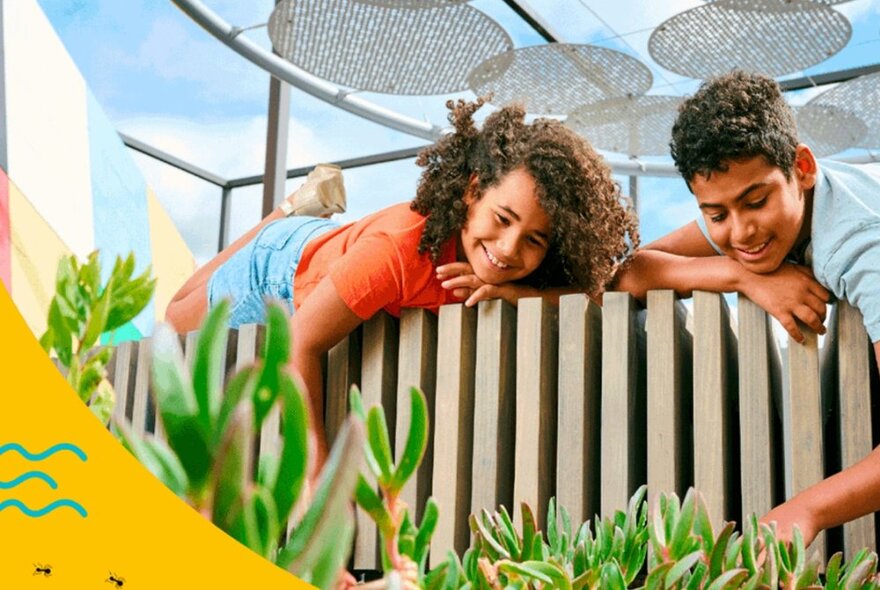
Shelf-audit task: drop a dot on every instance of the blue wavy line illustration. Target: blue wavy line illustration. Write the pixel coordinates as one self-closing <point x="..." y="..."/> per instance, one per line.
<point x="43" y="511"/>
<point x="45" y="454"/>
<point x="5" y="485"/>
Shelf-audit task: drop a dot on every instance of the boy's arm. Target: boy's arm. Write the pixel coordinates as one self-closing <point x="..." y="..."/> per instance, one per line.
<point x="845" y="496"/>
<point x="684" y="261"/>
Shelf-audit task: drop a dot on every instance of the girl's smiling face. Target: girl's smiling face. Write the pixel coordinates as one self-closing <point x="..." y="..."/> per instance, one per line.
<point x="753" y="212"/>
<point x="507" y="232"/>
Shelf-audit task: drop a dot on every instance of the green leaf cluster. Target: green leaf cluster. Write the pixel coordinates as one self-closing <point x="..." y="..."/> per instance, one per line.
<point x="685" y="553"/>
<point x="207" y="457"/>
<point x="81" y="310"/>
<point x="405" y="544"/>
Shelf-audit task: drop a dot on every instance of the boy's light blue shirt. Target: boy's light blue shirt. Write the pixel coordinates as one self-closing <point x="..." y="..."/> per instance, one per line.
<point x="845" y="236"/>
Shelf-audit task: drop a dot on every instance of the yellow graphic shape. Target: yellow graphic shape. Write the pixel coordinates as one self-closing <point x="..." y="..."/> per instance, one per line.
<point x="135" y="527"/>
<point x="35" y="252"/>
<point x="172" y="261"/>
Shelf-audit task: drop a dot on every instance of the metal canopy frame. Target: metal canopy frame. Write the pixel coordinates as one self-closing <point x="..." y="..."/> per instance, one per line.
<point x="282" y="70"/>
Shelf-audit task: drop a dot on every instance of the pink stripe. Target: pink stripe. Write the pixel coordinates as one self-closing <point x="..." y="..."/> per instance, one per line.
<point x="5" y="234"/>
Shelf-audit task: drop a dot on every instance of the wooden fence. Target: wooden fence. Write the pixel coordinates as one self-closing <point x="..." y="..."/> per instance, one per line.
<point x="587" y="403"/>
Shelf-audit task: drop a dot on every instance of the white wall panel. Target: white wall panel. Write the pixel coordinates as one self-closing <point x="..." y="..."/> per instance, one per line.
<point x="47" y="126"/>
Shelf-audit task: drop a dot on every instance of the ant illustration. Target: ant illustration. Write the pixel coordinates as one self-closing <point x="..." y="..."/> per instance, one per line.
<point x="117" y="581"/>
<point x="45" y="570"/>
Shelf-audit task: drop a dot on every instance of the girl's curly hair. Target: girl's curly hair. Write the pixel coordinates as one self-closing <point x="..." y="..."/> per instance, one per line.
<point x="593" y="228"/>
<point x="734" y="116"/>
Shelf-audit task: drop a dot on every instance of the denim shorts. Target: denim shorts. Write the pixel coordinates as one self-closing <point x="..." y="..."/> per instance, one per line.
<point x="264" y="268"/>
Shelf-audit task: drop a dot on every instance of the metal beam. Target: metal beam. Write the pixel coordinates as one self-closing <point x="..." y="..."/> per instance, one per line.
<point x="284" y="70"/>
<point x="534" y="20"/>
<point x="167" y="158"/>
<point x="382" y="158"/>
<point x="829" y="78"/>
<point x="276" y="142"/>
<point x="223" y="236"/>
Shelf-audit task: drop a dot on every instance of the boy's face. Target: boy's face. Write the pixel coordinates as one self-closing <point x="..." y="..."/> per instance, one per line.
<point x="507" y="232"/>
<point x="753" y="212"/>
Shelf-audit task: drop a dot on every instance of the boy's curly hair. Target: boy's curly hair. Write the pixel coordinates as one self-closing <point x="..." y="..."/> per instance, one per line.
<point x="731" y="117"/>
<point x="593" y="228"/>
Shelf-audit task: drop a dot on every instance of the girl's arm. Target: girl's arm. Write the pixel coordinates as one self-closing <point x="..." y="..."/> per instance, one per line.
<point x="321" y="321"/>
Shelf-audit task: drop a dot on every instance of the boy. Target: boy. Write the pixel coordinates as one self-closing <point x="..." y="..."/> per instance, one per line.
<point x="791" y="230"/>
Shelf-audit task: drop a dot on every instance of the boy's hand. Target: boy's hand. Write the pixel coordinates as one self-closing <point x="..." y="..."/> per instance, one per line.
<point x="787" y="516"/>
<point x="790" y="294"/>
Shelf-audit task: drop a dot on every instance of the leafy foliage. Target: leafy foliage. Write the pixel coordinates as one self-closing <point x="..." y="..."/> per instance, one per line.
<point x="207" y="455"/>
<point x="81" y="311"/>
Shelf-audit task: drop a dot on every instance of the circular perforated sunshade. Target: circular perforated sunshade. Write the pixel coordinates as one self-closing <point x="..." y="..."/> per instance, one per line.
<point x="413" y="51"/>
<point x="767" y="36"/>
<point x="635" y="126"/>
<point x="859" y="97"/>
<point x="557" y="78"/>
<point x="418" y="3"/>
<point x="747" y="2"/>
<point x="828" y="129"/>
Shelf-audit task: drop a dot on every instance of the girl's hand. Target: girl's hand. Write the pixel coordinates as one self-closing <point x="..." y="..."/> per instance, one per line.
<point x="459" y="278"/>
<point x="790" y="294"/>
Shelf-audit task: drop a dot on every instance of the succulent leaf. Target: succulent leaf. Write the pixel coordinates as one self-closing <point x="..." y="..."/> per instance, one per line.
<point x="416" y="440"/>
<point x="175" y="400"/>
<point x="380" y="444"/>
<point x="233" y="468"/>
<point x="208" y="366"/>
<point x="293" y="460"/>
<point x="275" y="357"/>
<point x="327" y="511"/>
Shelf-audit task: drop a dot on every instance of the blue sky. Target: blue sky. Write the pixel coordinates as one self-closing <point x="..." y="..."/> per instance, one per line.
<point x="165" y="81"/>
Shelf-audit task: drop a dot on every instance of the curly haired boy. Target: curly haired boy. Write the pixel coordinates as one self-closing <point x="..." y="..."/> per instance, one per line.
<point x="791" y="231"/>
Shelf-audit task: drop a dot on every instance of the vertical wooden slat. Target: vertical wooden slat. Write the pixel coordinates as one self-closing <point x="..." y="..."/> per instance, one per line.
<point x="668" y="383"/>
<point x="712" y="435"/>
<point x="453" y="428"/>
<point x="417" y="367"/>
<point x="494" y="407"/>
<point x="122" y="370"/>
<point x="854" y="398"/>
<point x="141" y="393"/>
<point x="756" y="412"/>
<point x="802" y="422"/>
<point x="343" y="371"/>
<point x="623" y="426"/>
<point x="537" y="364"/>
<point x="578" y="403"/>
<point x="248" y="342"/>
<point x="378" y="386"/>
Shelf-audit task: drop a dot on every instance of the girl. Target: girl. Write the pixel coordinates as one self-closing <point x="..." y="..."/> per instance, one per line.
<point x="505" y="212"/>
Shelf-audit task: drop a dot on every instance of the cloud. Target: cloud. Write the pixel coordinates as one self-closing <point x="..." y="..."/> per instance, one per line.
<point x="171" y="51"/>
<point x="218" y="148"/>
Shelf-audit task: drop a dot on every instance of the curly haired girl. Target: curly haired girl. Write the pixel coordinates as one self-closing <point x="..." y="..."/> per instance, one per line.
<point x="510" y="210"/>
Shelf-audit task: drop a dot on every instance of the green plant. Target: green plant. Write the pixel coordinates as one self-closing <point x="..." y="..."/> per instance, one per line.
<point x="686" y="554"/>
<point x="81" y="311"/>
<point x="404" y="546"/>
<point x="208" y="457"/>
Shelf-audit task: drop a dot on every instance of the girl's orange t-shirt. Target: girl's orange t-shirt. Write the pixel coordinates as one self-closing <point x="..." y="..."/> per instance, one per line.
<point x="375" y="264"/>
